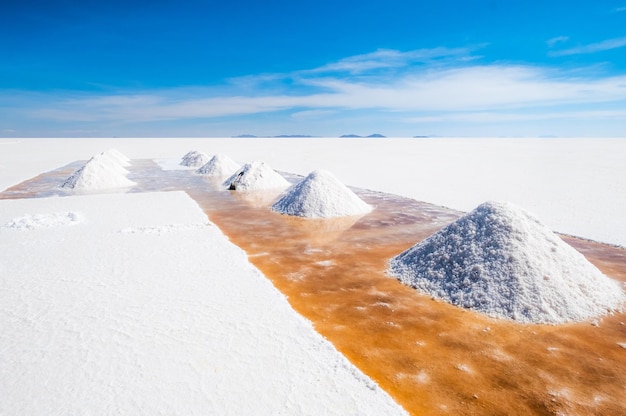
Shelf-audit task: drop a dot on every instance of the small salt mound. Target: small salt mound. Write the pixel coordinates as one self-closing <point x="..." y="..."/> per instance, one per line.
<point x="97" y="174"/>
<point x="219" y="166"/>
<point x="255" y="176"/>
<point x="110" y="162"/>
<point x="190" y="153"/>
<point x="320" y="195"/>
<point x="501" y="261"/>
<point x="194" y="159"/>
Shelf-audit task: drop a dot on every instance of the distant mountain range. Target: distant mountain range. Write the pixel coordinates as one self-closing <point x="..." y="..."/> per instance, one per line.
<point x="291" y="136"/>
<point x="375" y="135"/>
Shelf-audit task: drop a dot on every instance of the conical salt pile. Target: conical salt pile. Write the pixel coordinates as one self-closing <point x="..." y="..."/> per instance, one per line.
<point x="194" y="159"/>
<point x="320" y="195"/>
<point x="501" y="261"/>
<point x="219" y="166"/>
<point x="255" y="176"/>
<point x="118" y="156"/>
<point x="99" y="173"/>
<point x="190" y="153"/>
<point x="109" y="162"/>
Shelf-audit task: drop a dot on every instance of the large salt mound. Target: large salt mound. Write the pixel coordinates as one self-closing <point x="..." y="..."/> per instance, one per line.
<point x="501" y="261"/>
<point x="320" y="195"/>
<point x="98" y="173"/>
<point x="219" y="166"/>
<point x="194" y="159"/>
<point x="255" y="176"/>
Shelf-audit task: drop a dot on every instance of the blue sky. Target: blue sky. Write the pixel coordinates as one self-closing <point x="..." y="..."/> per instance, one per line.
<point x="324" y="68"/>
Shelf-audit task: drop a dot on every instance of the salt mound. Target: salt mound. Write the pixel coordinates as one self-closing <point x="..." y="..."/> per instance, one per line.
<point x="190" y="153"/>
<point x="194" y="159"/>
<point x="117" y="156"/>
<point x="110" y="162"/>
<point x="501" y="261"/>
<point x="219" y="165"/>
<point x="97" y="174"/>
<point x="255" y="176"/>
<point x="320" y="195"/>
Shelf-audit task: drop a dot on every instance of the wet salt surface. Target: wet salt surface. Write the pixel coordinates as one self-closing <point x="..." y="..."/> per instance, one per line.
<point x="433" y="358"/>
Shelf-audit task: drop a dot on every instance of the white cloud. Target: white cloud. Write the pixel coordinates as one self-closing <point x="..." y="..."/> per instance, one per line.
<point x="621" y="9"/>
<point x="496" y="117"/>
<point x="458" y="91"/>
<point x="605" y="45"/>
<point x="312" y="114"/>
<point x="558" y="39"/>
<point x="472" y="88"/>
<point x="388" y="58"/>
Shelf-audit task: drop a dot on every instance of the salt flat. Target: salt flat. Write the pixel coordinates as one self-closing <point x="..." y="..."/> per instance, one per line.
<point x="136" y="304"/>
<point x="575" y="186"/>
<point x="138" y="297"/>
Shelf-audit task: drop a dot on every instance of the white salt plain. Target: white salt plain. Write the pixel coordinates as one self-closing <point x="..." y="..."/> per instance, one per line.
<point x="576" y="186"/>
<point x="134" y="304"/>
<point x="83" y="319"/>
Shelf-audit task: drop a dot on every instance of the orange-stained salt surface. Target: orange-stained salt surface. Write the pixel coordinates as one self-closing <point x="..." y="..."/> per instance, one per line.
<point x="431" y="357"/>
<point x="46" y="184"/>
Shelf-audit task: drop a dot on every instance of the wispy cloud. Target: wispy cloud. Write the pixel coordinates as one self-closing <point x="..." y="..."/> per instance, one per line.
<point x="416" y="91"/>
<point x="468" y="88"/>
<point x="312" y="114"/>
<point x="389" y="58"/>
<point x="605" y="45"/>
<point x="621" y="9"/>
<point x="558" y="39"/>
<point x="505" y="117"/>
<point x="380" y="63"/>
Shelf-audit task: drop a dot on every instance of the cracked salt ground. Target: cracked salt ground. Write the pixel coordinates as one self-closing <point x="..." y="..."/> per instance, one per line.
<point x="413" y="346"/>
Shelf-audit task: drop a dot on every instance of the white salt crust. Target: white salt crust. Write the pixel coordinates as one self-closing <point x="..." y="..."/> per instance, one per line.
<point x="48" y="220"/>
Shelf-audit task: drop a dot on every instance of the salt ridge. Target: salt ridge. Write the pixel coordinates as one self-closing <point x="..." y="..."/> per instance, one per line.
<point x="255" y="175"/>
<point x="501" y="261"/>
<point x="220" y="165"/>
<point x="320" y="195"/>
<point x="38" y="221"/>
